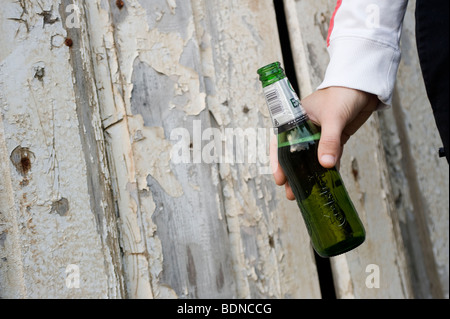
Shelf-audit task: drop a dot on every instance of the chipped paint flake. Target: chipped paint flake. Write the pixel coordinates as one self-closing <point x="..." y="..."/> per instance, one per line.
<point x="152" y="157"/>
<point x="164" y="52"/>
<point x="172" y="5"/>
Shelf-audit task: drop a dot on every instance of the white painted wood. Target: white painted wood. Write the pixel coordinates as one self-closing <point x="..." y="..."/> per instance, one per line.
<point x="90" y="185"/>
<point x="55" y="195"/>
<point x="80" y="145"/>
<point x="211" y="230"/>
<point x="118" y="142"/>
<point x="271" y="252"/>
<point x="183" y="239"/>
<point x="419" y="177"/>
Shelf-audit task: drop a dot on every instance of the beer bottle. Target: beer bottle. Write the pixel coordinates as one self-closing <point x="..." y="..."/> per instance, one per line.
<point x="330" y="217"/>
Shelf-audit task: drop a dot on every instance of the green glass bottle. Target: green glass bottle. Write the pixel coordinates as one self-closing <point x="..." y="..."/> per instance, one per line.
<point x="330" y="217"/>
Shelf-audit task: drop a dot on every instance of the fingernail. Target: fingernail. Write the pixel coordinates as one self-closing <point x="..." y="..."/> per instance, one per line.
<point x="328" y="160"/>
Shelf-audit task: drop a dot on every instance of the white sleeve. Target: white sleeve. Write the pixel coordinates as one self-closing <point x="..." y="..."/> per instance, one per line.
<point x="363" y="44"/>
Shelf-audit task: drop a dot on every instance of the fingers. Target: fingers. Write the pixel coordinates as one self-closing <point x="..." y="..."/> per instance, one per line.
<point x="322" y="110"/>
<point x="340" y="112"/>
<point x="289" y="193"/>
<point x="277" y="171"/>
<point x="330" y="144"/>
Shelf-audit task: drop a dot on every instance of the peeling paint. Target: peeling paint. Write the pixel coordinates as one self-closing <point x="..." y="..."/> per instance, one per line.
<point x="153" y="158"/>
<point x="42" y="119"/>
<point x="228" y="39"/>
<point x="172" y="5"/>
<point x="61" y="207"/>
<point x="164" y="52"/>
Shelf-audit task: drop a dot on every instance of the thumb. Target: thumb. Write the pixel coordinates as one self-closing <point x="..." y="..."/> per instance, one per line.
<point x="330" y="147"/>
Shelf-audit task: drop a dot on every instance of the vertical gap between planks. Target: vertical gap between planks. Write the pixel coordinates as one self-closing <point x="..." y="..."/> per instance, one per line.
<point x="323" y="265"/>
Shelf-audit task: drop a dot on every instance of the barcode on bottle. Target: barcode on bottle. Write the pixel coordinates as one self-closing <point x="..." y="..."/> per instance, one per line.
<point x="274" y="102"/>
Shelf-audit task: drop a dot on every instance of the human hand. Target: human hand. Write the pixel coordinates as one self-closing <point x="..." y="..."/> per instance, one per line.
<point x="340" y="112"/>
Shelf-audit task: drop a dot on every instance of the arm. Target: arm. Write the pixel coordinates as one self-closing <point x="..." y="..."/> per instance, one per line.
<point x="363" y="44"/>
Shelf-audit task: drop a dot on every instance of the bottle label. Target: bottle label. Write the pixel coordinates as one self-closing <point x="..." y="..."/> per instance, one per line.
<point x="284" y="104"/>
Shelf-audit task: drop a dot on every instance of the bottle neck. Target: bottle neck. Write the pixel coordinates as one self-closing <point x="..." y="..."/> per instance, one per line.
<point x="271" y="73"/>
<point x="284" y="105"/>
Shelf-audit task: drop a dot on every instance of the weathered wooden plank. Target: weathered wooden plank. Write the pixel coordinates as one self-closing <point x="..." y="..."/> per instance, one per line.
<point x="92" y="139"/>
<point x="57" y="208"/>
<point x="381" y="259"/>
<point x="109" y="82"/>
<point x="12" y="283"/>
<point x="269" y="241"/>
<point x="420" y="179"/>
<point x="179" y="206"/>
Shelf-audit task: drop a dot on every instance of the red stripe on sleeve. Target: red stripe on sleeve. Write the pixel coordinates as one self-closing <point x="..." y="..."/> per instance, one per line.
<point x="330" y="29"/>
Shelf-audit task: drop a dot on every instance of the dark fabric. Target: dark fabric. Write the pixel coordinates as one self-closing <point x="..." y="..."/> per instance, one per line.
<point x="432" y="36"/>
